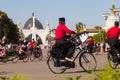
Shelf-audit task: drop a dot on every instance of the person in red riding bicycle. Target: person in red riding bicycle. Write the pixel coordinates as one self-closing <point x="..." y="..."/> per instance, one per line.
<point x="61" y="38"/>
<point x="31" y="44"/>
<point x="112" y="36"/>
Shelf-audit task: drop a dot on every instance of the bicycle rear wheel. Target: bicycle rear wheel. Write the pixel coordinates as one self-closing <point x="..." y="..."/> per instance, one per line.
<point x="111" y="62"/>
<point x="88" y="62"/>
<point x="55" y="69"/>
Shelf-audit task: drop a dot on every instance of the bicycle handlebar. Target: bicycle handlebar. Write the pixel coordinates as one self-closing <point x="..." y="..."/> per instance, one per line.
<point x="81" y="34"/>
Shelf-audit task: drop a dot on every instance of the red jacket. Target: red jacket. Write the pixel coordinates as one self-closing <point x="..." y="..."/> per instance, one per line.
<point x="90" y="42"/>
<point x="61" y="31"/>
<point x="31" y="44"/>
<point x="113" y="32"/>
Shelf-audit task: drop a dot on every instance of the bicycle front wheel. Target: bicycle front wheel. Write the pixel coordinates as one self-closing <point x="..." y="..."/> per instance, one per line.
<point x="55" y="69"/>
<point x="88" y="62"/>
<point x="15" y="59"/>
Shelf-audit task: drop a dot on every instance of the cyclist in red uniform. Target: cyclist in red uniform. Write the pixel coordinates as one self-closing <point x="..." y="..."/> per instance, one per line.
<point x="31" y="45"/>
<point x="113" y="39"/>
<point x="113" y="34"/>
<point x="61" y="38"/>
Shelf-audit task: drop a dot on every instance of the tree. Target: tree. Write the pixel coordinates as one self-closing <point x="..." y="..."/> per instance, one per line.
<point x="99" y="37"/>
<point x="79" y="27"/>
<point x="49" y="37"/>
<point x="98" y="27"/>
<point x="9" y="29"/>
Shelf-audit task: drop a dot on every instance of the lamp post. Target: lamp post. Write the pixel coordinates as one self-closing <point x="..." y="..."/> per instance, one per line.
<point x="0" y="27"/>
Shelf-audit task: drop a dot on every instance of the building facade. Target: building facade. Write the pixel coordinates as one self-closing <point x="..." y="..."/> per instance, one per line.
<point x="111" y="17"/>
<point x="34" y="29"/>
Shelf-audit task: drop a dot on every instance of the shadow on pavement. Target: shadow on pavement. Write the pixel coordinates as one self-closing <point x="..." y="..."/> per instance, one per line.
<point x="4" y="73"/>
<point x="83" y="71"/>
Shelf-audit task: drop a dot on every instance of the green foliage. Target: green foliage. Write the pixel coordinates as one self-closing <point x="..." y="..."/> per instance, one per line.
<point x="98" y="27"/>
<point x="108" y="74"/>
<point x="3" y="78"/>
<point x="113" y="6"/>
<point x="79" y="27"/>
<point x="48" y="37"/>
<point x="70" y="78"/>
<point x="16" y="77"/>
<point x="9" y="29"/>
<point x="99" y="37"/>
<point x="10" y="54"/>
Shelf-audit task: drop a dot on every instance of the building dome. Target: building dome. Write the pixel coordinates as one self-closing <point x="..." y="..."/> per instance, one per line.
<point x="29" y="24"/>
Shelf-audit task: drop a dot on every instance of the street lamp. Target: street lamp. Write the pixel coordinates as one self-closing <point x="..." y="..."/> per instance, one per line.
<point x="0" y="27"/>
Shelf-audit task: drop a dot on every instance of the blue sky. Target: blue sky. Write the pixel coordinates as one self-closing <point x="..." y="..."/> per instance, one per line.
<point x="86" y="11"/>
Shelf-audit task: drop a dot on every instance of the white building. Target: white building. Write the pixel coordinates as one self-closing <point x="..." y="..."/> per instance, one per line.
<point x="111" y="17"/>
<point x="33" y="29"/>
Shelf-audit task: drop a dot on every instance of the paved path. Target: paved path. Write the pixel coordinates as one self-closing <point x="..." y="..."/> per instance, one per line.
<point x="38" y="70"/>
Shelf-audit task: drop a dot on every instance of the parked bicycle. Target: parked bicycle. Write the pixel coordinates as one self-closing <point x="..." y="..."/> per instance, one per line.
<point x="6" y="55"/>
<point x="86" y="60"/>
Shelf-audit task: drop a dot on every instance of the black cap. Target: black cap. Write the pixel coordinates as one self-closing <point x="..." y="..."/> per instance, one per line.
<point x="62" y="19"/>
<point x="116" y="23"/>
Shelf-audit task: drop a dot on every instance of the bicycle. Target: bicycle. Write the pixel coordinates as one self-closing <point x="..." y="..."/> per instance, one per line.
<point x="36" y="52"/>
<point x="6" y="56"/>
<point x="86" y="60"/>
<point x="113" y="56"/>
<point x="23" y="53"/>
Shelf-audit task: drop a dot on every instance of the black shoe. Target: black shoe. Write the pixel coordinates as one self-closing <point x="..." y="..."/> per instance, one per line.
<point x="57" y="63"/>
<point x="118" y="60"/>
<point x="70" y="64"/>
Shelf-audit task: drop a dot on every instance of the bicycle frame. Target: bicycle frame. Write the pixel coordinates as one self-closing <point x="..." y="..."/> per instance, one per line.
<point x="81" y="51"/>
